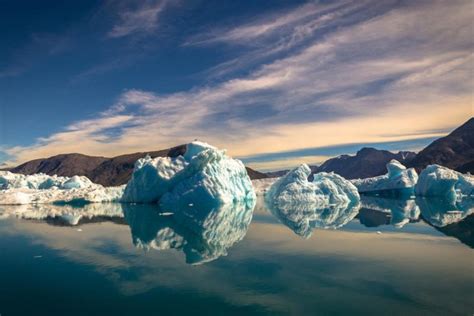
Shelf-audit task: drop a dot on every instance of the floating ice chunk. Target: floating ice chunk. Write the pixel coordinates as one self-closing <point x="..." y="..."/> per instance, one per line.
<point x="202" y="234"/>
<point x="204" y="174"/>
<point x="326" y="189"/>
<point x="438" y="181"/>
<point x="41" y="181"/>
<point x="440" y="212"/>
<point x="92" y="194"/>
<point x="398" y="180"/>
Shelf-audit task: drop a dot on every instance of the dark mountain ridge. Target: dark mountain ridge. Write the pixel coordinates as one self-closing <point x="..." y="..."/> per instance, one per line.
<point x="455" y="151"/>
<point x="106" y="171"/>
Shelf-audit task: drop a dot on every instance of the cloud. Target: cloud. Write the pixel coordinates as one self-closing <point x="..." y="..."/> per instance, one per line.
<point x="389" y="77"/>
<point x="140" y="19"/>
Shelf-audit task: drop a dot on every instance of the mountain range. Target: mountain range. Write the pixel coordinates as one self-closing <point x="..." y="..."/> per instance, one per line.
<point x="455" y="151"/>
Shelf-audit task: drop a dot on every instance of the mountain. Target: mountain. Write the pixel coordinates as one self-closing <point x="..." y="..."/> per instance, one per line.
<point x="367" y="162"/>
<point x="106" y="171"/>
<point x="455" y="151"/>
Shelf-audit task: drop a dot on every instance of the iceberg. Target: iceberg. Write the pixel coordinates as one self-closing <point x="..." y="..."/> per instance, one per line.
<point x="204" y="173"/>
<point x="398" y="181"/>
<point x="325" y="189"/>
<point x="438" y="181"/>
<point x="74" y="196"/>
<point x="41" y="181"/>
<point x="202" y="234"/>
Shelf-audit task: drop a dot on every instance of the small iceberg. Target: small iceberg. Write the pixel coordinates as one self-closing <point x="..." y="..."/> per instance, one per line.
<point x="442" y="182"/>
<point x="325" y="189"/>
<point x="329" y="201"/>
<point x="204" y="175"/>
<point x="398" y="181"/>
<point x="203" y="235"/>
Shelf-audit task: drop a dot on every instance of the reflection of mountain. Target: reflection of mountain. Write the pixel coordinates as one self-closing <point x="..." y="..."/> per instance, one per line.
<point x="203" y="235"/>
<point x="396" y="212"/>
<point x="302" y="218"/>
<point x="65" y="215"/>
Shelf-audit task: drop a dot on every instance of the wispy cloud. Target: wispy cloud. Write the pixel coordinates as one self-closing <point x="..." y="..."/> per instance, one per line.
<point x="142" y="18"/>
<point x="400" y="72"/>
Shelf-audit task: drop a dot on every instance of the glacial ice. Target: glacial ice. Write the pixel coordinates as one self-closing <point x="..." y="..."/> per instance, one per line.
<point x="41" y="181"/>
<point x="329" y="201"/>
<point x="79" y="196"/>
<point x="397" y="181"/>
<point x="438" y="181"/>
<point x="202" y="234"/>
<point x="205" y="174"/>
<point x="326" y="189"/>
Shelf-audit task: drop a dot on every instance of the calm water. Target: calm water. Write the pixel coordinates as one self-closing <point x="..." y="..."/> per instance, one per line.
<point x="390" y="257"/>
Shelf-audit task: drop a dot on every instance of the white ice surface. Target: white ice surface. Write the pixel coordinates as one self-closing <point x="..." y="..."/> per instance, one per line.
<point x="398" y="177"/>
<point x="326" y="189"/>
<point x="204" y="175"/>
<point x="438" y="181"/>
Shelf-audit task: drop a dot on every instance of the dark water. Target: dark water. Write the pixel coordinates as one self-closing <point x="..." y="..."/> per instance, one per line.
<point x="390" y="257"/>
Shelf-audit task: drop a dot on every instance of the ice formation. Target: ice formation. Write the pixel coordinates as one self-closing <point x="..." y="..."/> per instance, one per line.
<point x="402" y="211"/>
<point x="42" y="181"/>
<point x="202" y="234"/>
<point x="325" y="189"/>
<point x="79" y="196"/>
<point x="438" y="181"/>
<point x="204" y="173"/>
<point x="62" y="214"/>
<point x="261" y="186"/>
<point x="440" y="212"/>
<point x="398" y="180"/>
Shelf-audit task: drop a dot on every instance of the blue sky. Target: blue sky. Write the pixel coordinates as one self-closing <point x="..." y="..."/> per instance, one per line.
<point x="274" y="82"/>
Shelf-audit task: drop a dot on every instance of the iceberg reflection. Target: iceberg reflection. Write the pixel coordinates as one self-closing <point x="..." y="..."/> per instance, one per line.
<point x="443" y="212"/>
<point x="202" y="234"/>
<point x="65" y="215"/>
<point x="304" y="217"/>
<point x="396" y="212"/>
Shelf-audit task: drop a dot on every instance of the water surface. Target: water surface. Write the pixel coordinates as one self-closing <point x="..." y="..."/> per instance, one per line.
<point x="389" y="257"/>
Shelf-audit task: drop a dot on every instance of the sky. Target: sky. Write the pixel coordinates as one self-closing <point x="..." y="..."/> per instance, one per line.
<point x="275" y="82"/>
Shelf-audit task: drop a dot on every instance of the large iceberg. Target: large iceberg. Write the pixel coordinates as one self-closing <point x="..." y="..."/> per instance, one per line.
<point x="203" y="174"/>
<point x="398" y="181"/>
<point x="202" y="234"/>
<point x="438" y="181"/>
<point x="325" y="189"/>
